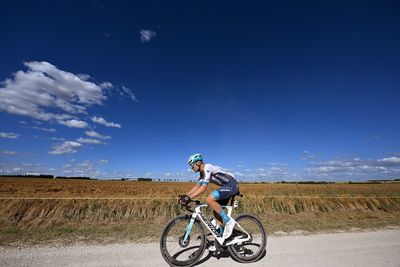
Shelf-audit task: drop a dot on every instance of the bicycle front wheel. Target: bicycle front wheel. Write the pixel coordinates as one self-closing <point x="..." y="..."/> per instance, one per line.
<point x="254" y="249"/>
<point x="174" y="249"/>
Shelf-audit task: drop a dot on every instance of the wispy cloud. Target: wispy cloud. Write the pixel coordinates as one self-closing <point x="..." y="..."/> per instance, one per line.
<point x="57" y="139"/>
<point x="87" y="168"/>
<point x="70" y="147"/>
<point x="67" y="147"/>
<point x="9" y="135"/>
<point x="337" y="169"/>
<point x="72" y="168"/>
<point x="74" y="123"/>
<point x="8" y="152"/>
<point x="97" y="135"/>
<point x="89" y="141"/>
<point x="102" y="121"/>
<point x="103" y="161"/>
<point x="50" y="130"/>
<point x="147" y="35"/>
<point x="357" y="168"/>
<point x="307" y="156"/>
<point x="128" y="92"/>
<point x="393" y="160"/>
<point x="23" y="168"/>
<point x="11" y="153"/>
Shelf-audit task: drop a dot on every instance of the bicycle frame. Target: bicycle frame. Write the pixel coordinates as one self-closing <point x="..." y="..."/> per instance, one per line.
<point x="197" y="213"/>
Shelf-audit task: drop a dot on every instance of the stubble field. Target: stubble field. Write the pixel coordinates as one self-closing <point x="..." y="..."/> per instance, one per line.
<point x="43" y="211"/>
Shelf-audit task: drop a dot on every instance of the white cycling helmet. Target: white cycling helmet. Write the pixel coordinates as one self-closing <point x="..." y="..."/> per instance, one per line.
<point x="194" y="158"/>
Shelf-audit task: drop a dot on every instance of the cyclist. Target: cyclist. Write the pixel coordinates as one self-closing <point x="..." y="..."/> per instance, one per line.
<point x="228" y="188"/>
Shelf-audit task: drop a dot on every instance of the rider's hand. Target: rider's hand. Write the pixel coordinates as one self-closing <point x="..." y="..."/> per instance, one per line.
<point x="184" y="199"/>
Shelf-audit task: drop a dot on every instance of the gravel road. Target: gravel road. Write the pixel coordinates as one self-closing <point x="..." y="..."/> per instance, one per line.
<point x="379" y="248"/>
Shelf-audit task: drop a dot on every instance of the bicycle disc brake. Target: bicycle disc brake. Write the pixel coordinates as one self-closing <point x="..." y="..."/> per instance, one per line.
<point x="182" y="243"/>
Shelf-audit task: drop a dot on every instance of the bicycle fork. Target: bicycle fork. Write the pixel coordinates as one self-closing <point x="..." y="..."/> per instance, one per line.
<point x="189" y="228"/>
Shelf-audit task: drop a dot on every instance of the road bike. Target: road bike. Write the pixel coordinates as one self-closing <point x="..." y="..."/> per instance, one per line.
<point x="183" y="240"/>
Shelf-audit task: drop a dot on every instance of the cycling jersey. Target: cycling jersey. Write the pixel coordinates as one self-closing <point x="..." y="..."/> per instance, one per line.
<point x="216" y="175"/>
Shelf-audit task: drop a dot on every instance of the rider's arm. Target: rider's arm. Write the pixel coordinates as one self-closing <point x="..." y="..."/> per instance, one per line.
<point x="198" y="191"/>
<point x="194" y="188"/>
<point x="203" y="181"/>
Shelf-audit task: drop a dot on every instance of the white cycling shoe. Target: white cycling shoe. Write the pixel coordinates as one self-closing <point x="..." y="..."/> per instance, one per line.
<point x="212" y="248"/>
<point x="229" y="228"/>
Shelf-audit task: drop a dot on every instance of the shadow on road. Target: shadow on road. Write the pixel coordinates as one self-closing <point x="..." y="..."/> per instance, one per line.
<point x="222" y="254"/>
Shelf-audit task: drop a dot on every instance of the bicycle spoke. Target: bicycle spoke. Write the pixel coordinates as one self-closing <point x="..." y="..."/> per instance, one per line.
<point x="251" y="228"/>
<point x="178" y="251"/>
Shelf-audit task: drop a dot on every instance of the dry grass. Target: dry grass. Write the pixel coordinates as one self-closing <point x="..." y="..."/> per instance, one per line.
<point x="94" y="211"/>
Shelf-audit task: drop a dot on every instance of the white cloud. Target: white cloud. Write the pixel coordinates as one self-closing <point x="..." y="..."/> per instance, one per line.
<point x="44" y="92"/>
<point x="57" y="139"/>
<point x="147" y="35"/>
<point x="43" y="86"/>
<point x="97" y="135"/>
<point x="8" y="153"/>
<point x="129" y="93"/>
<point x="359" y="168"/>
<point x="102" y="121"/>
<point x="67" y="147"/>
<point x="85" y="168"/>
<point x="50" y="130"/>
<point x="74" y="123"/>
<point x="89" y="141"/>
<point x="307" y="156"/>
<point x="70" y="147"/>
<point x="391" y="160"/>
<point x="9" y="135"/>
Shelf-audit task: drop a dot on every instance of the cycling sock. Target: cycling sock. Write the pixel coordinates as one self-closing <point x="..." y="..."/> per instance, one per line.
<point x="221" y="230"/>
<point x="223" y="215"/>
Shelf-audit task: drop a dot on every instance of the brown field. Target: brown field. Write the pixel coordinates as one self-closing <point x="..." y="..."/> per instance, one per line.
<point x="46" y="210"/>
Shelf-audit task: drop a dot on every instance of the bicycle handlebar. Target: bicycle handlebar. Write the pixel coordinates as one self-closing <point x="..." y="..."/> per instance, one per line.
<point x="187" y="207"/>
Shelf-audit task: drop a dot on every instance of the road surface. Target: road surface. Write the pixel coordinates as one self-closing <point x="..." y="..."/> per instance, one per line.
<point x="379" y="248"/>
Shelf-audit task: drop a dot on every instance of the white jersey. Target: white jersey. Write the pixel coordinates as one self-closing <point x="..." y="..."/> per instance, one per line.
<point x="215" y="175"/>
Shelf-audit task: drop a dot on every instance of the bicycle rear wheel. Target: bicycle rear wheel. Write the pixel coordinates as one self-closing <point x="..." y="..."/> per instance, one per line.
<point x="254" y="249"/>
<point x="174" y="250"/>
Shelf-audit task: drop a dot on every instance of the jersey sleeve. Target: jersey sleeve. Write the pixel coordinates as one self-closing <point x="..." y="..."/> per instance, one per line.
<point x="207" y="174"/>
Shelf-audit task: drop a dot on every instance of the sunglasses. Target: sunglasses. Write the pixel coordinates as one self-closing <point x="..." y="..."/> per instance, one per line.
<point x="192" y="164"/>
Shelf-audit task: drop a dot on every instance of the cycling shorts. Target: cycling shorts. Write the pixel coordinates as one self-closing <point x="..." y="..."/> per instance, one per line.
<point x="224" y="193"/>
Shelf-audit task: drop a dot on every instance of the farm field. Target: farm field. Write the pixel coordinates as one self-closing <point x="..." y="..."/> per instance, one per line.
<point x="42" y="211"/>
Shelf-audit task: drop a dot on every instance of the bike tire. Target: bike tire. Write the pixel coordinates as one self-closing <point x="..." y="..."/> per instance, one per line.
<point x="163" y="242"/>
<point x="233" y="249"/>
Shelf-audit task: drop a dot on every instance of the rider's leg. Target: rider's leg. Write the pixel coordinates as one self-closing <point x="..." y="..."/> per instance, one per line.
<point x="218" y="218"/>
<point x="212" y="202"/>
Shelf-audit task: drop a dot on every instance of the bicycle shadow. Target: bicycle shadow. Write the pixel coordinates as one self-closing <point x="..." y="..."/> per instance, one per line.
<point x="223" y="254"/>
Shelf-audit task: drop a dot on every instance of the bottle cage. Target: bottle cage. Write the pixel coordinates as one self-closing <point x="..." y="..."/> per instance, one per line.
<point x="233" y="197"/>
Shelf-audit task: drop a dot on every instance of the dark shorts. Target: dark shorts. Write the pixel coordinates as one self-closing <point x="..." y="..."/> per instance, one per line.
<point x="224" y="193"/>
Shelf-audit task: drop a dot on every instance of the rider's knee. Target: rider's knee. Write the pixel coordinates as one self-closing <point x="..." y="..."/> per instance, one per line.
<point x="210" y="199"/>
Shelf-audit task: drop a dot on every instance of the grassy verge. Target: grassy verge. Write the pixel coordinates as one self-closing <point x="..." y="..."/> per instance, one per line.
<point x="48" y="211"/>
<point x="147" y="231"/>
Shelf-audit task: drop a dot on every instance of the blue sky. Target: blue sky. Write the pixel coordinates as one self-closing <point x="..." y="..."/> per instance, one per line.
<point x="271" y="91"/>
